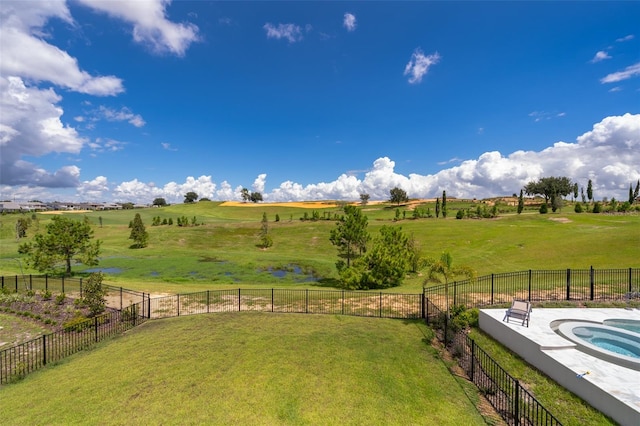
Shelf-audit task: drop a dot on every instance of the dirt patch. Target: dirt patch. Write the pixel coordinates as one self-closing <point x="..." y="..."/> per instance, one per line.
<point x="67" y="211"/>
<point x="303" y="205"/>
<point x="560" y="219"/>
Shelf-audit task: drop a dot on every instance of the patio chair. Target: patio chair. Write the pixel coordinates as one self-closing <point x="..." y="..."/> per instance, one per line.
<point x="520" y="309"/>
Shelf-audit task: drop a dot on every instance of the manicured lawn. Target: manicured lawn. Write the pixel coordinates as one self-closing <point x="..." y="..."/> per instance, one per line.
<point x="251" y="368"/>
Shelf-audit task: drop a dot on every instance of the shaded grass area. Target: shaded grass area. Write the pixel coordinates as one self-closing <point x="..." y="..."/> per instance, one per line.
<point x="250" y="368"/>
<point x="567" y="407"/>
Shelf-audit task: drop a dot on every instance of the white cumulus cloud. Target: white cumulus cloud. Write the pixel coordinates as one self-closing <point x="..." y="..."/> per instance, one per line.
<point x="600" y="56"/>
<point x="150" y="24"/>
<point x="289" y="32"/>
<point x="349" y="22"/>
<point x="608" y="154"/>
<point x="419" y="64"/>
<point x="627" y="73"/>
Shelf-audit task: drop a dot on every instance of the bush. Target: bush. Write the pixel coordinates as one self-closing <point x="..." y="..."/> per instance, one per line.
<point x="578" y="208"/>
<point x="77" y="323"/>
<point x="60" y="299"/>
<point x="597" y="208"/>
<point x="544" y="209"/>
<point x="46" y="294"/>
<point x="94" y="294"/>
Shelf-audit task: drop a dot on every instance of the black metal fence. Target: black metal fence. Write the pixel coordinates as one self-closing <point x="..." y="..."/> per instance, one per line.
<point x="504" y="392"/>
<point x="117" y="297"/>
<point x="354" y="303"/>
<point x="22" y="359"/>
<point x="515" y="404"/>
<point x="540" y="286"/>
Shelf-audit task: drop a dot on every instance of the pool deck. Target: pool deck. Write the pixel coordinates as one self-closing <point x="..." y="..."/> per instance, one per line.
<point x="612" y="389"/>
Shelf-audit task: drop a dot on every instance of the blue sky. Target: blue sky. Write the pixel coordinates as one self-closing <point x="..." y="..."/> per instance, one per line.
<point x="130" y="101"/>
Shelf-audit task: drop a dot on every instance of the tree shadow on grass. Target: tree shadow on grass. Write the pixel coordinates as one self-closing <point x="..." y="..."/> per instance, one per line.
<point x="332" y="283"/>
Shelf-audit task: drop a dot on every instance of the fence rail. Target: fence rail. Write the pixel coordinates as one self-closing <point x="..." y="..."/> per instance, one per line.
<point x="366" y="304"/>
<point x="22" y="359"/>
<point x="540" y="286"/>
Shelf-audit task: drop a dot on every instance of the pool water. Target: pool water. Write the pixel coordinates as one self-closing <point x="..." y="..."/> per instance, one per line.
<point x="610" y="340"/>
<point x="627" y="324"/>
<point x="615" y="345"/>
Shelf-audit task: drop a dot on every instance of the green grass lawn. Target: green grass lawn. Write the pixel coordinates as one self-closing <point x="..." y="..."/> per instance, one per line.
<point x="567" y="407"/>
<point x="222" y="252"/>
<point x="250" y="368"/>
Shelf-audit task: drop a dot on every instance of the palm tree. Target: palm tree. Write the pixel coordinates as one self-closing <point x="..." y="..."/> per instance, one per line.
<point x="442" y="271"/>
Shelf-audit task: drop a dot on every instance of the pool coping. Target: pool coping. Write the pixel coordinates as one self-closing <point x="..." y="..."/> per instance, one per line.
<point x="612" y="389"/>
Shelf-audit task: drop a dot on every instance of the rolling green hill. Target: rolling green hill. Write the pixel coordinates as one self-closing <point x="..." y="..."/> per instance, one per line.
<point x="221" y="250"/>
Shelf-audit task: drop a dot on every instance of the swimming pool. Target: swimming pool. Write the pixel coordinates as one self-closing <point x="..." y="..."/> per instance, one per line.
<point x="612" y="344"/>
<point x="627" y="324"/>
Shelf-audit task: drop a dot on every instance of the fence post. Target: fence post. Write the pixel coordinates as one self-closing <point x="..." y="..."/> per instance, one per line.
<point x="380" y="305"/>
<point x="16" y="283"/>
<point x="121" y="298"/>
<point x="148" y="306"/>
<point x="306" y="301"/>
<point x="95" y="327"/>
<point x="207" y="301"/>
<point x="272" y="308"/>
<point x="63" y="283"/>
<point x="342" y="302"/>
<point x="81" y="288"/>
<point x="630" y="281"/>
<point x="568" y="284"/>
<point x="492" y="289"/>
<point x="44" y="349"/>
<point x="473" y="360"/>
<point x="455" y="293"/>
<point x="178" y="303"/>
<point x="591" y="283"/>
<point x="46" y="281"/>
<point x="516" y="405"/>
<point x="239" y="300"/>
<point x="30" y="282"/>
<point x="426" y="304"/>
<point x="530" y="284"/>
<point x="422" y="310"/>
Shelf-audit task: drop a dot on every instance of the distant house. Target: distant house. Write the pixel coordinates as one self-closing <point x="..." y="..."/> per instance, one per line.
<point x="12" y="207"/>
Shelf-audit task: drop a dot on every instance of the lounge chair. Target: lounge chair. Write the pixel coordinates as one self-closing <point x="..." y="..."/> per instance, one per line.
<point x="520" y="309"/>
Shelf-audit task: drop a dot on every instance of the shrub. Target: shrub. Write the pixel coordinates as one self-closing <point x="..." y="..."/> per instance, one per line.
<point x="544" y="209"/>
<point x="45" y="294"/>
<point x="77" y="323"/>
<point x="94" y="294"/>
<point x="60" y="299"/>
<point x="578" y="208"/>
<point x="597" y="207"/>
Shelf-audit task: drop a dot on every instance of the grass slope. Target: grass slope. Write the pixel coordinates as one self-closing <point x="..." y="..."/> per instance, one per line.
<point x="222" y="252"/>
<point x="252" y="368"/>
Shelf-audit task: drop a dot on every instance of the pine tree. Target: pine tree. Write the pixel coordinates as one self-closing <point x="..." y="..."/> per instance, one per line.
<point x="265" y="238"/>
<point x="139" y="234"/>
<point x="444" y="204"/>
<point x="520" y="202"/>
